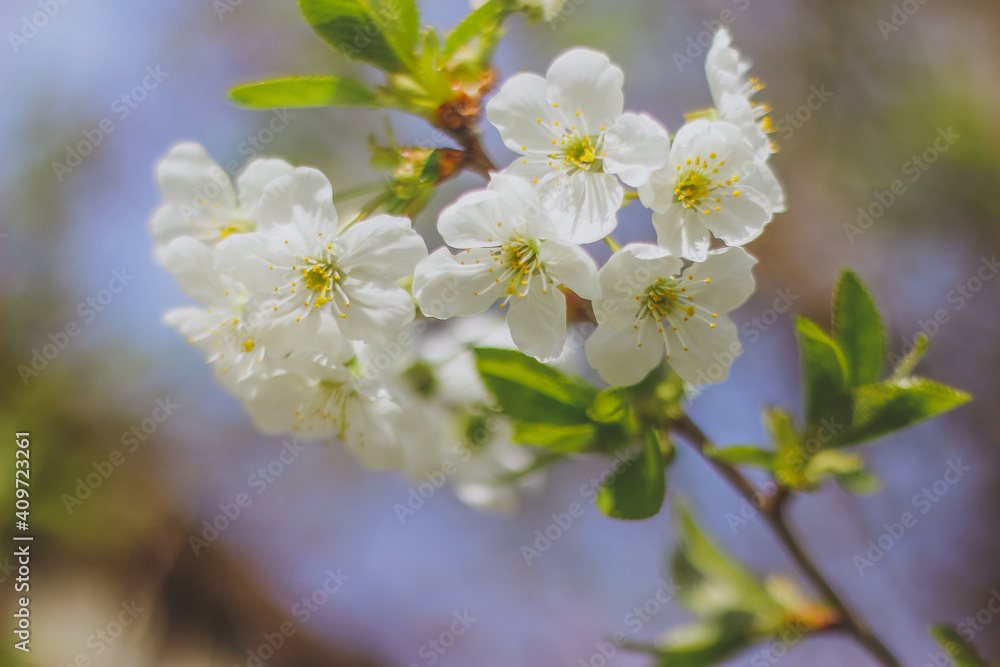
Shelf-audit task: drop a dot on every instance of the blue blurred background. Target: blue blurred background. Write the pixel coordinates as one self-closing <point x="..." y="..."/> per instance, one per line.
<point x="888" y="93"/>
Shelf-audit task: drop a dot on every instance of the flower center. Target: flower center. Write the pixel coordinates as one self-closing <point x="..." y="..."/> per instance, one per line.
<point x="517" y="261"/>
<point x="661" y="299"/>
<point x="317" y="277"/>
<point x="324" y="278"/>
<point x="699" y="182"/>
<point x="581" y="153"/>
<point x="692" y="187"/>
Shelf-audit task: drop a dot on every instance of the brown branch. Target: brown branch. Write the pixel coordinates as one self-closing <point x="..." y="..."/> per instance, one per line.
<point x="773" y="508"/>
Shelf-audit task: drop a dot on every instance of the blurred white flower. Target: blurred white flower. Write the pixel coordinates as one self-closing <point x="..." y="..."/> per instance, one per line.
<point x="303" y="265"/>
<point x="318" y="397"/>
<point x="733" y="91"/>
<point x="512" y="252"/>
<point x="199" y="199"/>
<point x="704" y="188"/>
<point x="448" y="426"/>
<point x="573" y="138"/>
<point x="649" y="305"/>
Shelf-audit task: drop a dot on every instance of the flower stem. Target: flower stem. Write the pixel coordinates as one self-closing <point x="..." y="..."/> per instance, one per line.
<point x="773" y="509"/>
<point x="359" y="191"/>
<point x="613" y="244"/>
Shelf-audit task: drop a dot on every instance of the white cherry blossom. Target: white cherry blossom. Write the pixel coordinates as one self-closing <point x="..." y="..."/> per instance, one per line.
<point x="733" y="91"/>
<point x="199" y="199"/>
<point x="304" y="265"/>
<point x="511" y="252"/>
<point x="573" y="139"/>
<point x="651" y="309"/>
<point x="706" y="189"/>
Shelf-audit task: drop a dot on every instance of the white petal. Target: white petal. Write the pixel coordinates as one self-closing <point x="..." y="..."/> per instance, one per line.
<point x="702" y="138"/>
<point x="710" y="350"/>
<point x="249" y="258"/>
<point x="728" y="271"/>
<point x="740" y="219"/>
<point x="370" y="433"/>
<point x="584" y="205"/>
<point x="681" y="233"/>
<point x="252" y="181"/>
<point x="763" y="180"/>
<point x="192" y="263"/>
<point x="304" y="197"/>
<point x="188" y="175"/>
<point x="617" y="357"/>
<point x="449" y="286"/>
<point x="584" y="80"/>
<point x="382" y="249"/>
<point x="657" y="194"/>
<point x="538" y="321"/>
<point x="724" y="69"/>
<point x="375" y="314"/>
<point x="636" y="146"/>
<point x="568" y="264"/>
<point x="472" y="221"/>
<point x="199" y="197"/>
<point x="523" y="115"/>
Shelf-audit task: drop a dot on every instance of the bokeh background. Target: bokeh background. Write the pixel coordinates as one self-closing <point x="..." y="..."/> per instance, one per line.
<point x="65" y="233"/>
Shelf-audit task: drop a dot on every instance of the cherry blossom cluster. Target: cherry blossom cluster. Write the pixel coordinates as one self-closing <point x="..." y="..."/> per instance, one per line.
<point x="311" y="320"/>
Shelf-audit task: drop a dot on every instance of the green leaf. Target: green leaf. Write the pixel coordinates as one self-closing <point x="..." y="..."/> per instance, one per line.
<point x="791" y="456"/>
<point x="857" y="327"/>
<point x="847" y="469"/>
<point x="908" y="363"/>
<point x="745" y="455"/>
<point x="962" y="653"/>
<point x="558" y="439"/>
<point x="379" y="32"/>
<point x="638" y="491"/>
<point x="610" y="405"/>
<point x="529" y="391"/>
<point x="304" y="91"/>
<point x="710" y="581"/>
<point x="706" y="643"/>
<point x="823" y="375"/>
<point x="888" y="406"/>
<point x="482" y="21"/>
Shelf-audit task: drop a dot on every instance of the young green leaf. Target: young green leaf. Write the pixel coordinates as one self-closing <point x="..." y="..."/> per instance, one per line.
<point x="379" y="32"/>
<point x="857" y="327"/>
<point x="791" y="456"/>
<point x="481" y="22"/>
<point x="908" y="363"/>
<point x="895" y="404"/>
<point x="960" y="651"/>
<point x="529" y="391"/>
<point x="638" y="491"/>
<point x="744" y="455"/>
<point x="556" y="438"/>
<point x="823" y="375"/>
<point x="304" y="91"/>
<point x="610" y="405"/>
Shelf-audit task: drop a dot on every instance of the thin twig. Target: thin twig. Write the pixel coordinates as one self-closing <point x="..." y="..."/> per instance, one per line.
<point x="773" y="509"/>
